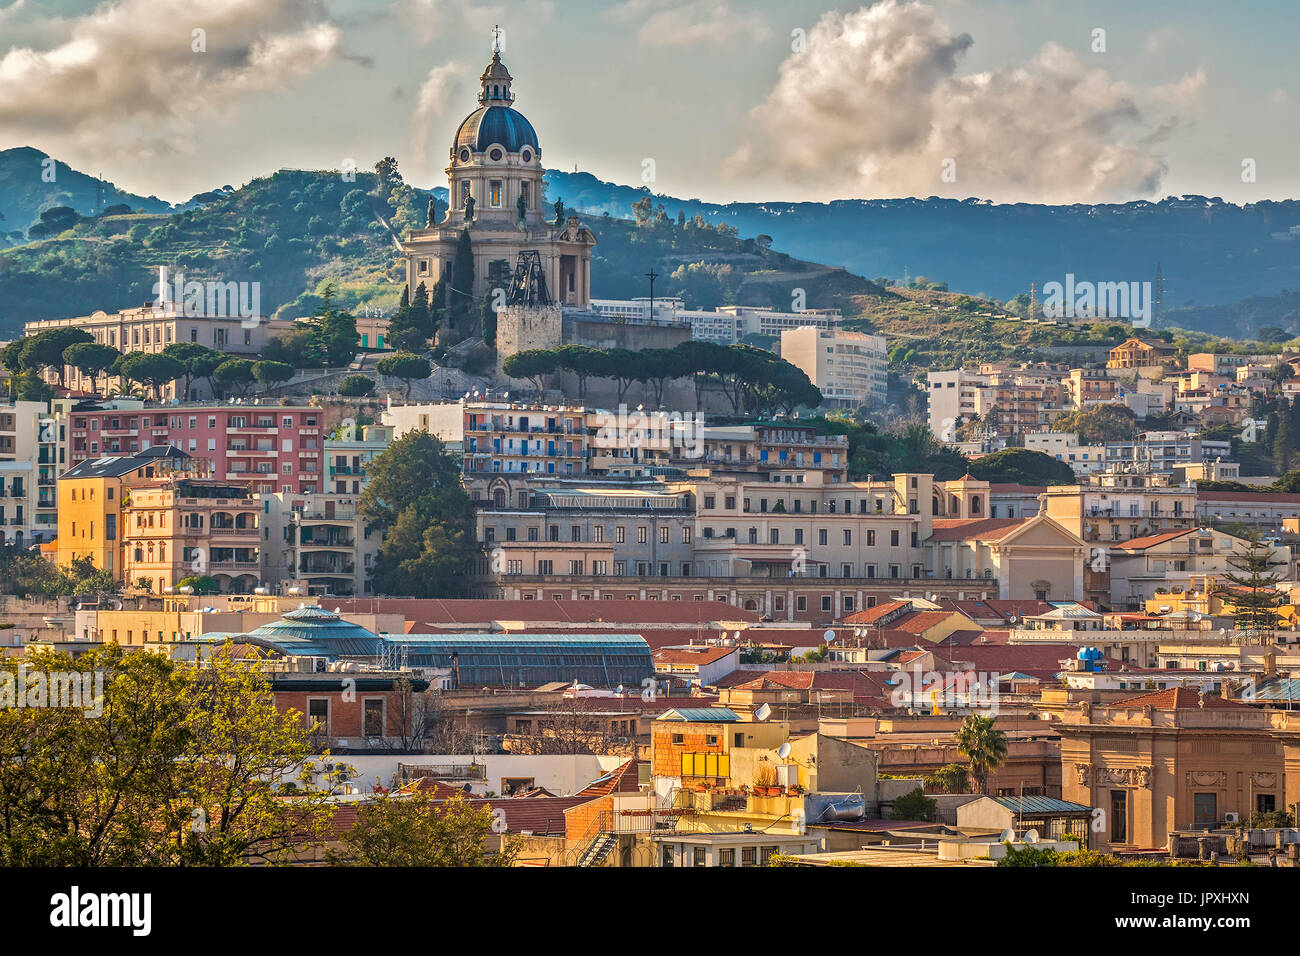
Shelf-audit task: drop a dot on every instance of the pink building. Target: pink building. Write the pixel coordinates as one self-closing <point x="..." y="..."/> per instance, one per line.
<point x="274" y="449"/>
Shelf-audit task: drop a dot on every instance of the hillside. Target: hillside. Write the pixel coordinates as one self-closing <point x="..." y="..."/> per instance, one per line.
<point x="1210" y="252"/>
<point x="296" y="230"/>
<point x="24" y="192"/>
<point x="931" y="330"/>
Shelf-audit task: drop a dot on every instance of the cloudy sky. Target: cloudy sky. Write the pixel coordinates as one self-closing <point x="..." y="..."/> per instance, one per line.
<point x="1011" y="100"/>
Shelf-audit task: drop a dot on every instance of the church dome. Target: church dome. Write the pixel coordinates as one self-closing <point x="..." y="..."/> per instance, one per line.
<point x="496" y="125"/>
<point x="496" y="122"/>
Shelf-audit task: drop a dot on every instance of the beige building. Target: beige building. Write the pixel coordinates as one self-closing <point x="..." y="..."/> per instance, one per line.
<point x="180" y="527"/>
<point x="150" y="329"/>
<point x="848" y="367"/>
<point x="1174" y="760"/>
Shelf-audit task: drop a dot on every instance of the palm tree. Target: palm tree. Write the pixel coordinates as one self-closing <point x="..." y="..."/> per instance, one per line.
<point x="983" y="746"/>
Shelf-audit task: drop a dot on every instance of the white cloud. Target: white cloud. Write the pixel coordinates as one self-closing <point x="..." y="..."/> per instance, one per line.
<point x="126" y="75"/>
<point x="438" y="91"/>
<point x="876" y="104"/>
<point x="674" y="23"/>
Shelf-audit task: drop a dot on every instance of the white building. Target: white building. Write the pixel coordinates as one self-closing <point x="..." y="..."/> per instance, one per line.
<point x="848" y="367"/>
<point x="952" y="395"/>
<point x="1064" y="446"/>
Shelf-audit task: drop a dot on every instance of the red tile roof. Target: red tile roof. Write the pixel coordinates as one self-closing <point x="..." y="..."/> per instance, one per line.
<point x="872" y="614"/>
<point x="623" y="779"/>
<point x="1246" y="497"/>
<point x="433" y="611"/>
<point x="1180" y="698"/>
<point x="698" y="654"/>
<point x="1151" y="540"/>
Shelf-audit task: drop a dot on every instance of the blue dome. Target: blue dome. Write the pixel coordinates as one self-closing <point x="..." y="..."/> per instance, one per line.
<point x="499" y="125"/>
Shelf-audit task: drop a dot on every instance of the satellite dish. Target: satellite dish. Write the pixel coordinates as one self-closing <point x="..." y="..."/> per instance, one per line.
<point x="763" y="712"/>
<point x="828" y="635"/>
<point x="783" y="751"/>
<point x="1008" y="836"/>
<point x="736" y="636"/>
<point x="1031" y="836"/>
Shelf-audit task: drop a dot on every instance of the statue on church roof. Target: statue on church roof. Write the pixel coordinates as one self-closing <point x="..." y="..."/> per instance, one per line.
<point x="559" y="213"/>
<point x="522" y="205"/>
<point x="469" y="208"/>
<point x="433" y="212"/>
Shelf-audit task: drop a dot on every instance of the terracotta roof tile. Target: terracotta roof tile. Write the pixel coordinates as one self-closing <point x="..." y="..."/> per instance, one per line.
<point x="1180" y="698"/>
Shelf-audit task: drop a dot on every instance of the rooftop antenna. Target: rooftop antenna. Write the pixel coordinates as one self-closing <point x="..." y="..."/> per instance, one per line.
<point x="1033" y="298"/>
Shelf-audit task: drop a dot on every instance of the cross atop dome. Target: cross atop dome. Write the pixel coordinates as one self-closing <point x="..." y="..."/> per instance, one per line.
<point x="496" y="80"/>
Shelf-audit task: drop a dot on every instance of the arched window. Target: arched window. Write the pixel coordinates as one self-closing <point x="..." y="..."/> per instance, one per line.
<point x="975" y="504"/>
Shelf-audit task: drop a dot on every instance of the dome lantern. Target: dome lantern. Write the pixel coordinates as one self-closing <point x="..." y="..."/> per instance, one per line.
<point x="496" y="80"/>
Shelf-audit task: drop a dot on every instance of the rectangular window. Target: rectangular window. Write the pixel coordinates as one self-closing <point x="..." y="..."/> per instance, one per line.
<point x="373" y="717"/>
<point x="1119" y="816"/>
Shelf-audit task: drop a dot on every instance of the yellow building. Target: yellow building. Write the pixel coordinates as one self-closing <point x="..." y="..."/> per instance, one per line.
<point x="1135" y="353"/>
<point x="91" y="499"/>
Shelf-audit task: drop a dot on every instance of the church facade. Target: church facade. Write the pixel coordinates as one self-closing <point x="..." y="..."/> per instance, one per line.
<point x="494" y="181"/>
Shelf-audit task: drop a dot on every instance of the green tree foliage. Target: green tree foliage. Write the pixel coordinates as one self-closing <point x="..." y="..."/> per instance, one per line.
<point x="532" y="365"/>
<point x="1252" y="585"/>
<point x="235" y="374"/>
<point x="91" y="359"/>
<point x="406" y="366"/>
<point x="199" y="361"/>
<point x="417" y="830"/>
<point x="460" y="293"/>
<point x="180" y="769"/>
<point x="915" y="805"/>
<point x="415" y="498"/>
<point x="334" y="333"/>
<point x="356" y="386"/>
<point x="201" y="583"/>
<point x="412" y="326"/>
<point x="983" y="746"/>
<point x="45" y="350"/>
<point x="152" y="369"/>
<point x="272" y="373"/>
<point x="950" y="778"/>
<point x="1022" y="466"/>
<point x="1099" y="424"/>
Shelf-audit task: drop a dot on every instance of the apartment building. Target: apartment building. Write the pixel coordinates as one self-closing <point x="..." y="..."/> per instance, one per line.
<point x="180" y="526"/>
<point x="91" y="498"/>
<point x="951" y="396"/>
<point x="1113" y="506"/>
<point x="763" y="449"/>
<point x="271" y="448"/>
<point x="1013" y="408"/>
<point x="1163" y="451"/>
<point x="1064" y="446"/>
<point x="1090" y="386"/>
<point x="30" y="463"/>
<point x="501" y="437"/>
<point x="848" y="367"/>
<point x="1172" y="559"/>
<point x="348" y="455"/>
<point x="317" y="543"/>
<point x="146" y="329"/>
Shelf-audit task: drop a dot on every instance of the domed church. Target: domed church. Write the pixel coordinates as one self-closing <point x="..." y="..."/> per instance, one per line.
<point x="494" y="180"/>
